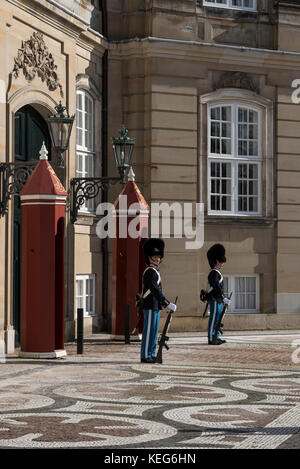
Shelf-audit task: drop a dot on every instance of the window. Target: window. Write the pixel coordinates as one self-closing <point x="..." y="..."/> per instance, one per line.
<point x="85" y="148"/>
<point x="245" y="293"/>
<point x="234" y="4"/>
<point x="85" y="294"/>
<point x="234" y="159"/>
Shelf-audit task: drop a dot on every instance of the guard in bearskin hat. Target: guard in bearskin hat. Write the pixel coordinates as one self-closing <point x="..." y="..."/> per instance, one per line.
<point x="216" y="259"/>
<point x="153" y="298"/>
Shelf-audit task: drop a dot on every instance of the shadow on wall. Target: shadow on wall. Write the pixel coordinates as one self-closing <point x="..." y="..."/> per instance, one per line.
<point x="245" y="28"/>
<point x="90" y="11"/>
<point x="93" y="81"/>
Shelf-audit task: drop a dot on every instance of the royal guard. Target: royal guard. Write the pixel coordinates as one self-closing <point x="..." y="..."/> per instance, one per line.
<point x="216" y="300"/>
<point x="153" y="298"/>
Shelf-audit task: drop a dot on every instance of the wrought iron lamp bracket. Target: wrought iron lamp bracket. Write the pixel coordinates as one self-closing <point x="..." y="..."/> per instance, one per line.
<point x="12" y="178"/>
<point x="83" y="189"/>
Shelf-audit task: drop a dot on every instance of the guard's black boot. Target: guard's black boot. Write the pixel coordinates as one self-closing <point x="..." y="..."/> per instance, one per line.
<point x="215" y="342"/>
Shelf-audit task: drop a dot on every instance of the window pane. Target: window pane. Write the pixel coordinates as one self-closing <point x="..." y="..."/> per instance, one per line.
<point x="243" y="148"/>
<point x="251" y="284"/>
<point x="242" y="131"/>
<point x="253" y="171"/>
<point x="220" y="186"/>
<point x="253" y="116"/>
<point x="242" y="115"/>
<point x="226" y="130"/>
<point x="215" y="203"/>
<point x="226" y="170"/>
<point x="85" y="168"/>
<point x="215" y="113"/>
<point x="247" y="132"/>
<point x="226" y="113"/>
<point x="253" y="148"/>
<point x="79" y="294"/>
<point x="215" y="129"/>
<point x="215" y="145"/>
<point x="226" y="204"/>
<point x="226" y="147"/>
<point x="220" y="126"/>
<point x="245" y="289"/>
<point x="79" y="287"/>
<point x="247" y="187"/>
<point x="85" y="120"/>
<point x="215" y="169"/>
<point x="253" y="204"/>
<point x="85" y="293"/>
<point x="226" y="286"/>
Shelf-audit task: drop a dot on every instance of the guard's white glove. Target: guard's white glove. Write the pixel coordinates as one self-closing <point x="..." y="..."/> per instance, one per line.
<point x="172" y="307"/>
<point x="226" y="301"/>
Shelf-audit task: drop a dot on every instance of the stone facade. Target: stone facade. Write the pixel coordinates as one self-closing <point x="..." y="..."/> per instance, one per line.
<point x="159" y="67"/>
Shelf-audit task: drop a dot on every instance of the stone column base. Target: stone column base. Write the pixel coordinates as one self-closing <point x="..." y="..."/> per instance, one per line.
<point x="55" y="354"/>
<point x="9" y="339"/>
<point x="133" y="338"/>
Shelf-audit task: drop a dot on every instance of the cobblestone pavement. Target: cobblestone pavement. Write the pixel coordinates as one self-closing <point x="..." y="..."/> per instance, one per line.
<point x="244" y="394"/>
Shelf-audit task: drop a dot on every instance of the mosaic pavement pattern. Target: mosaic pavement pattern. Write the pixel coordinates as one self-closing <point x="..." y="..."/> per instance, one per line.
<point x="95" y="402"/>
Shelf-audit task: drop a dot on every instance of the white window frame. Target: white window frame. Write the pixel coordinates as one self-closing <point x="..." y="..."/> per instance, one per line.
<point x="229" y="5"/>
<point x="86" y="151"/>
<point x="84" y="147"/>
<point x="84" y="279"/>
<point x="234" y="159"/>
<point x="231" y="288"/>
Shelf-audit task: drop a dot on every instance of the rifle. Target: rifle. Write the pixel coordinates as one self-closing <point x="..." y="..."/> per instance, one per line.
<point x="138" y="323"/>
<point x="219" y="324"/>
<point x="163" y="338"/>
<point x="205" y="309"/>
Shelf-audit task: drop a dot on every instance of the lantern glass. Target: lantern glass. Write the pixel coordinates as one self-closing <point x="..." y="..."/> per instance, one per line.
<point x="60" y="134"/>
<point x="123" y="149"/>
<point x="123" y="154"/>
<point x="60" y="127"/>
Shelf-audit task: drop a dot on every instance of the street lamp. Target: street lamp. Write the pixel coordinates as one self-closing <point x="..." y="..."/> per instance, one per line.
<point x="83" y="189"/>
<point x="60" y="127"/>
<point x="14" y="175"/>
<point x="123" y="148"/>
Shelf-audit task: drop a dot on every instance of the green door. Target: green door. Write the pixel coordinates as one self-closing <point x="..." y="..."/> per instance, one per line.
<point x="30" y="132"/>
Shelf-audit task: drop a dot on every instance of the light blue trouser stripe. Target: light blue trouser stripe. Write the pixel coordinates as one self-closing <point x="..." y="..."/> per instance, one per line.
<point x="150" y="331"/>
<point x="215" y="309"/>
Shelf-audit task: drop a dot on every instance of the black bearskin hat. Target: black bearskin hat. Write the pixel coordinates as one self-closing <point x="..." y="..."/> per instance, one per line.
<point x="153" y="247"/>
<point x="216" y="253"/>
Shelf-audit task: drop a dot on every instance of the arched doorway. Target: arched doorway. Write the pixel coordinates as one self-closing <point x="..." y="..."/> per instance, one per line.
<point x="30" y="130"/>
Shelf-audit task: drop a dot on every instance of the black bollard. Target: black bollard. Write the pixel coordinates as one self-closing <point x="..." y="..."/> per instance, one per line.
<point x="127" y="324"/>
<point x="79" y="330"/>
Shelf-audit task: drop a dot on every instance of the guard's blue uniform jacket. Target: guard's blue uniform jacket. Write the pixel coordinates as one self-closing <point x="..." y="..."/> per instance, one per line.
<point x="215" y="280"/>
<point x="151" y="281"/>
<point x="154" y="301"/>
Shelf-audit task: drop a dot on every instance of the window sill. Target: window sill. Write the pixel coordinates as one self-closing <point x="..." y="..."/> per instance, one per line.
<point x="225" y="10"/>
<point x="240" y="220"/>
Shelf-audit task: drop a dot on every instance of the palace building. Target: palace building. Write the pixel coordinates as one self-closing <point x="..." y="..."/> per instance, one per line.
<point x="211" y="91"/>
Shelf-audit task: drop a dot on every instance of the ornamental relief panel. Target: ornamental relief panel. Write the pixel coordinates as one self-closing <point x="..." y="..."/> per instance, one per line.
<point x="236" y="80"/>
<point x="35" y="59"/>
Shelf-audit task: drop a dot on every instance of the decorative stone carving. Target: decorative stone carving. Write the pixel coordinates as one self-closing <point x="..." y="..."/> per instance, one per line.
<point x="33" y="59"/>
<point x="236" y="80"/>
